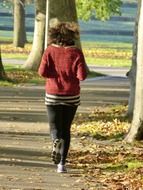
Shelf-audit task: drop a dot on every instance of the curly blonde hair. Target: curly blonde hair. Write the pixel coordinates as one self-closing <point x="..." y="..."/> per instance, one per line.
<point x="63" y="33"/>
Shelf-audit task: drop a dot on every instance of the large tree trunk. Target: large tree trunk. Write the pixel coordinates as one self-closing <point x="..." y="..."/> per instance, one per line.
<point x="19" y="38"/>
<point x="136" y="130"/>
<point x="34" y="58"/>
<point x="63" y="10"/>
<point x="2" y="72"/>
<point x="132" y="72"/>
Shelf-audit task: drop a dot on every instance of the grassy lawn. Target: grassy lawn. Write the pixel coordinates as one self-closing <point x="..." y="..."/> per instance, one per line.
<point x="96" y="53"/>
<point x="108" y="54"/>
<point x="109" y="45"/>
<point x="101" y="54"/>
<point x="108" y="62"/>
<point x="18" y="76"/>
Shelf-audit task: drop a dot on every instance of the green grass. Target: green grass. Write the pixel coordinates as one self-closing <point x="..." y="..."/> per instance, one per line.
<point x="96" y="53"/>
<point x="7" y="36"/>
<point x="126" y="166"/>
<point x="17" y="76"/>
<point x="110" y="45"/>
<point x="14" y="56"/>
<point x="134" y="164"/>
<point x="108" y="62"/>
<point x="6" y="39"/>
<point x="108" y="54"/>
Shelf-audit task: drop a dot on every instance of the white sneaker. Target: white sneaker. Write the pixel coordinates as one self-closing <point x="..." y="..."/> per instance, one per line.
<point x="56" y="152"/>
<point x="61" y="168"/>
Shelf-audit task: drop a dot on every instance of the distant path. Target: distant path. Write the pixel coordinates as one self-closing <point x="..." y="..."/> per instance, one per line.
<point x="111" y="71"/>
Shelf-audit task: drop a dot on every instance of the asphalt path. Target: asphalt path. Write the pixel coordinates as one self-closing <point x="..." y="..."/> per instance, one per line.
<point x="26" y="103"/>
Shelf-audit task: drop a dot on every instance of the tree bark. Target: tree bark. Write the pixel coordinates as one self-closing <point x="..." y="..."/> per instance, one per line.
<point x="2" y="72"/>
<point x="132" y="73"/>
<point x="64" y="10"/>
<point x="136" y="130"/>
<point x="19" y="37"/>
<point x="34" y="58"/>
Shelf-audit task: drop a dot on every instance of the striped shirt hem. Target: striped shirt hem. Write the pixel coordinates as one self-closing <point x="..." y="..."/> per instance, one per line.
<point x="62" y="100"/>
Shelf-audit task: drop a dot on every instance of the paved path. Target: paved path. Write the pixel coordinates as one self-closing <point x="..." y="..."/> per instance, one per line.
<point x="110" y="71"/>
<point x="25" y="160"/>
<point x="27" y="103"/>
<point x="25" y="144"/>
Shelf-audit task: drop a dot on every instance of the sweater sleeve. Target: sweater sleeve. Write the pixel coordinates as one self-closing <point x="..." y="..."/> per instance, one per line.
<point x="43" y="68"/>
<point x="82" y="69"/>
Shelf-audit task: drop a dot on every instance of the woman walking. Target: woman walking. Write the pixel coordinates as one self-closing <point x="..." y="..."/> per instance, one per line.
<point x="63" y="65"/>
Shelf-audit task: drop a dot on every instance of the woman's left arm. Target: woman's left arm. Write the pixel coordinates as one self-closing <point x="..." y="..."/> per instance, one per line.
<point x="82" y="68"/>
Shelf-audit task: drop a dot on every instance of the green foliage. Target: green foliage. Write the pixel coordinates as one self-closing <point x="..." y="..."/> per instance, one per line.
<point x="7" y="4"/>
<point x="101" y="9"/>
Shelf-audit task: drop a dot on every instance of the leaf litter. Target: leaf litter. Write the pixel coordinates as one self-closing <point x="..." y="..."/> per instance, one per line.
<point x="106" y="161"/>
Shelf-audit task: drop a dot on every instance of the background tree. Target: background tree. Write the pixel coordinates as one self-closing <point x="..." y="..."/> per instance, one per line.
<point x="57" y="9"/>
<point x="19" y="38"/>
<point x="136" y="130"/>
<point x="35" y="55"/>
<point x="65" y="10"/>
<point x="17" y="8"/>
<point x="132" y="72"/>
<point x="2" y="72"/>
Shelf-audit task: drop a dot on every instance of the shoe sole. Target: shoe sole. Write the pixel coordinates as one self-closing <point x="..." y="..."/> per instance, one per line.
<point x="61" y="169"/>
<point x="56" y="156"/>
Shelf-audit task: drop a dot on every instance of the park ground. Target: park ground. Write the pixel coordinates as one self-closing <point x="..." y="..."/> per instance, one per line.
<point x="99" y="159"/>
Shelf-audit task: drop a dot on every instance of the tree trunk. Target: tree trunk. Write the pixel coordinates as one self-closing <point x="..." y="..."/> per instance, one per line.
<point x="132" y="73"/>
<point x="34" y="58"/>
<point x="63" y="10"/>
<point x="136" y="130"/>
<point x="2" y="72"/>
<point x="19" y="38"/>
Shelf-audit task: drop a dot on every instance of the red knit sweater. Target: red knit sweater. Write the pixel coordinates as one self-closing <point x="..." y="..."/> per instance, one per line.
<point x="63" y="68"/>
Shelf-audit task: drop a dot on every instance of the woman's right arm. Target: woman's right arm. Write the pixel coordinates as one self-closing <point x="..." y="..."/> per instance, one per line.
<point x="43" y="68"/>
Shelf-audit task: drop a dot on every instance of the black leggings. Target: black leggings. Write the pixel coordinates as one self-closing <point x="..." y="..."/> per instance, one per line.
<point x="60" y="118"/>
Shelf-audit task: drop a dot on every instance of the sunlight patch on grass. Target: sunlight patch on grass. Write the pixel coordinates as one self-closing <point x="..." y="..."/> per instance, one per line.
<point x="134" y="164"/>
<point x="14" y="56"/>
<point x="108" y="62"/>
<point x="110" y="45"/>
